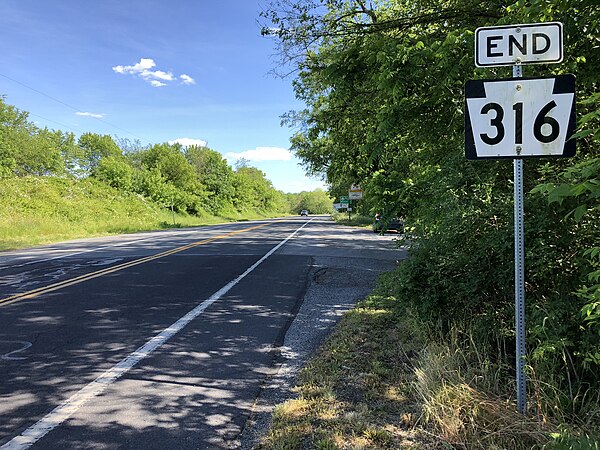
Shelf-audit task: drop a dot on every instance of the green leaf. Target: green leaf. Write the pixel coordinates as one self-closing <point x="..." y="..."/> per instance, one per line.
<point x="583" y="133"/>
<point x="559" y="193"/>
<point x="579" y="212"/>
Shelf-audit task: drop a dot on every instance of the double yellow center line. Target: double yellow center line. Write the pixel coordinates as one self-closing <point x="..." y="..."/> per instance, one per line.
<point x="89" y="276"/>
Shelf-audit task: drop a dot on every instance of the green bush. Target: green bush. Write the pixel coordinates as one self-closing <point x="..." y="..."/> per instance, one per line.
<point x="115" y="172"/>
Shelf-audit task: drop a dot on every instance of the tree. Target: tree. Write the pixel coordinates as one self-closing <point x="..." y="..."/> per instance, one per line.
<point x="115" y="172"/>
<point x="215" y="174"/>
<point x="27" y="150"/>
<point x="69" y="150"/>
<point x="315" y="202"/>
<point x="94" y="147"/>
<point x="172" y="164"/>
<point x="253" y="190"/>
<point x="166" y="175"/>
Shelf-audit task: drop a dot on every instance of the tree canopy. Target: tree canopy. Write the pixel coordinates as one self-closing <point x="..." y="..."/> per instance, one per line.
<point x="315" y="202"/>
<point x="383" y="83"/>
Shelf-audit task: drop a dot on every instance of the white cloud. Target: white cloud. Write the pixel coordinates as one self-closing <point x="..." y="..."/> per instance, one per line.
<point x="144" y="65"/>
<point x="90" y="114"/>
<point x="157" y="74"/>
<point x="186" y="79"/>
<point x="189" y="142"/>
<point x="262" y="154"/>
<point x="156" y="78"/>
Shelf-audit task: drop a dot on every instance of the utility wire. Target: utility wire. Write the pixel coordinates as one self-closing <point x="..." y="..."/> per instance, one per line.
<point x="72" y="128"/>
<point x="67" y="105"/>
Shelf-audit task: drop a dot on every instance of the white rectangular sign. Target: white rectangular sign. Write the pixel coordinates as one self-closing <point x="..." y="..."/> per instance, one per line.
<point x="520" y="117"/>
<point x="355" y="192"/>
<point x="535" y="43"/>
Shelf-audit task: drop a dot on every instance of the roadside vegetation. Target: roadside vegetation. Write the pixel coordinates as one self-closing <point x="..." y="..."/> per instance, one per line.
<point x="357" y="220"/>
<point x="54" y="186"/>
<point x="315" y="202"/>
<point x="41" y="210"/>
<point x="382" y="380"/>
<point x="384" y="87"/>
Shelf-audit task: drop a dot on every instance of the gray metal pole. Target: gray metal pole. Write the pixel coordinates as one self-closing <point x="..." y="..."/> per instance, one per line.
<point x="519" y="275"/>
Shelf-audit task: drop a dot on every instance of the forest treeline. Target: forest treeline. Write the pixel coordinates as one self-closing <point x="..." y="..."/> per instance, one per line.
<point x="194" y="181"/>
<point x="383" y="82"/>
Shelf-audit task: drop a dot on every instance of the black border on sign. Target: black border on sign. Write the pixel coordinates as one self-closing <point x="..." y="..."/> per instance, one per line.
<point x="477" y="88"/>
<point x="564" y="84"/>
<point x="529" y="25"/>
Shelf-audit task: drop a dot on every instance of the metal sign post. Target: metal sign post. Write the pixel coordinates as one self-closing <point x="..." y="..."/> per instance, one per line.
<point x="354" y="193"/>
<point x="519" y="275"/>
<point x="519" y="118"/>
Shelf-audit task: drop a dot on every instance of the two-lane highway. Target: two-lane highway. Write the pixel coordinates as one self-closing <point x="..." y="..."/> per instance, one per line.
<point x="156" y="340"/>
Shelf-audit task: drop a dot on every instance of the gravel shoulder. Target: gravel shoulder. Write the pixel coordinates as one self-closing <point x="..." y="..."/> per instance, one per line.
<point x="342" y="273"/>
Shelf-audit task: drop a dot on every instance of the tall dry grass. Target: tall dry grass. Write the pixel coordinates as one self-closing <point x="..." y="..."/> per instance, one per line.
<point x="460" y="400"/>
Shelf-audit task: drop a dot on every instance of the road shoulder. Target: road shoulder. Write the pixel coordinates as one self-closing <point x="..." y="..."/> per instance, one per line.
<point x="335" y="285"/>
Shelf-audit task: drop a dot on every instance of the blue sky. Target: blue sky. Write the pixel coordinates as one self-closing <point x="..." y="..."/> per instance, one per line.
<point x="153" y="70"/>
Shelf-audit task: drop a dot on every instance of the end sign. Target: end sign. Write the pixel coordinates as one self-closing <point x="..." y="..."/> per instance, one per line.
<point x="519" y="117"/>
<point x="535" y="43"/>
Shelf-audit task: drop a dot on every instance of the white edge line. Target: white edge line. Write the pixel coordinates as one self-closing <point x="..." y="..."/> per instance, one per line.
<point x="66" y="409"/>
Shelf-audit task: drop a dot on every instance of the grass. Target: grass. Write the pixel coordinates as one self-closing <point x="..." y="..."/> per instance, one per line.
<point x="356" y="392"/>
<point x="381" y="382"/>
<point x="42" y="210"/>
<point x="355" y="219"/>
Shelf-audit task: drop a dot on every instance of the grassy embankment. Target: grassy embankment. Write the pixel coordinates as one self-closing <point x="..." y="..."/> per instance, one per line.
<point x="42" y="210"/>
<point x="381" y="382"/>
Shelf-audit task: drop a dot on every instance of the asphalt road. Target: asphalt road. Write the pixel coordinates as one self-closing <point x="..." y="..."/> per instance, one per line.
<point x="165" y="339"/>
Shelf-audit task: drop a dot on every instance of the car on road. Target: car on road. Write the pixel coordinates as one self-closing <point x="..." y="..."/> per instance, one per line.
<point x="380" y="225"/>
<point x="304" y="212"/>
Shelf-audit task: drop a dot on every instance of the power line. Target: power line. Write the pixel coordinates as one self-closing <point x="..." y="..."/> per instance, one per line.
<point x="67" y="105"/>
<point x="54" y="121"/>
